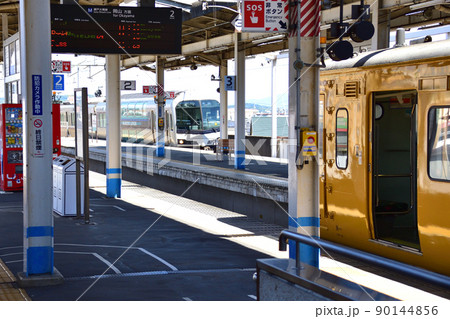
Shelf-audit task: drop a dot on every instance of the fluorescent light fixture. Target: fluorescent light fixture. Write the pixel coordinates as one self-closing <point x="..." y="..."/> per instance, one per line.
<point x="269" y="39"/>
<point x="427" y="4"/>
<point x="173" y="58"/>
<point x="215" y="49"/>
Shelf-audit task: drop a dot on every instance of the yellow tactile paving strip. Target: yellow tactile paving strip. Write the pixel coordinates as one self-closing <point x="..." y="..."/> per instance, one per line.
<point x="7" y="290"/>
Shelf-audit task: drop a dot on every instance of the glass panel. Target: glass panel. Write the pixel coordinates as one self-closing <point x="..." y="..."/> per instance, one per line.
<point x="189" y="116"/>
<point x="211" y="114"/>
<point x="12" y="59"/>
<point x="18" y="57"/>
<point x="6" y="56"/>
<point x="439" y="143"/>
<point x="341" y="138"/>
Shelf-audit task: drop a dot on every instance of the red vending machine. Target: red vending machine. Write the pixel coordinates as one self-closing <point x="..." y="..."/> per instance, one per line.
<point x="11" y="152"/>
<point x="11" y="147"/>
<point x="56" y="120"/>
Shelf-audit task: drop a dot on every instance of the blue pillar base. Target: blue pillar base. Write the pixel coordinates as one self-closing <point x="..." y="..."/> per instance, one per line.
<point x="160" y="151"/>
<point x="113" y="187"/>
<point x="308" y="255"/>
<point x="239" y="160"/>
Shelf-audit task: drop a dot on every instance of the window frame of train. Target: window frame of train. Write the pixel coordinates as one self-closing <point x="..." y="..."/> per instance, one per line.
<point x="338" y="162"/>
<point x="432" y="140"/>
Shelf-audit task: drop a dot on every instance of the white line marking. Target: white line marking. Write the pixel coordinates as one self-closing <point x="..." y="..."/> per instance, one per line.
<point x="13" y="261"/>
<point x="252" y="297"/>
<point x="86" y="245"/>
<point x="158" y="258"/>
<point x="187" y="299"/>
<point x="117" y="271"/>
<point x="119" y="208"/>
<point x="141" y="249"/>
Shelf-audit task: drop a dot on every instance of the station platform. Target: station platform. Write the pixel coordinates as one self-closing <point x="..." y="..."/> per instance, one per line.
<point x="155" y="246"/>
<point x="259" y="191"/>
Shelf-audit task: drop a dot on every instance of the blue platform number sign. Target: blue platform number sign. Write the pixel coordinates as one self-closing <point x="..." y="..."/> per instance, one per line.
<point x="230" y="83"/>
<point x="58" y="82"/>
<point x="37" y="94"/>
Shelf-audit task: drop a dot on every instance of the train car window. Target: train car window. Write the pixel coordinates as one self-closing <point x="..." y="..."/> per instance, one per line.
<point x="439" y="143"/>
<point x="342" y="138"/>
<point x="211" y="114"/>
<point x="189" y="116"/>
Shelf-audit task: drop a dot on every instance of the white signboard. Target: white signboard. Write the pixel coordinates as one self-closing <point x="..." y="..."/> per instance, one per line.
<point x="265" y="15"/>
<point x="237" y="23"/>
<point x="61" y="66"/>
<point x="128" y="85"/>
<point x="150" y="89"/>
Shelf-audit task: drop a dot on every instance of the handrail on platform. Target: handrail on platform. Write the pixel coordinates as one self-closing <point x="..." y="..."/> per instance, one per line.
<point x="401" y="268"/>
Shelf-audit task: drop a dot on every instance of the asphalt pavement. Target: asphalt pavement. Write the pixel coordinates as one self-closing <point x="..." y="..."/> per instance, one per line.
<point x="148" y="245"/>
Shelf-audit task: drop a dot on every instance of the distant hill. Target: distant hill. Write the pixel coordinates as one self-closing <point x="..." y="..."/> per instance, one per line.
<point x="263" y="105"/>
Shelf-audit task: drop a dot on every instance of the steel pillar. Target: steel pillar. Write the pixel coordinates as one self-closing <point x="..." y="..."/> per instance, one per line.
<point x="36" y="81"/>
<point x="303" y="183"/>
<point x="239" y="119"/>
<point x="113" y="128"/>
<point x="274" y="139"/>
<point x="223" y="71"/>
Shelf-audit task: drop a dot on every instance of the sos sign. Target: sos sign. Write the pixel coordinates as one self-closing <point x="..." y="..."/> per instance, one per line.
<point x="253" y="11"/>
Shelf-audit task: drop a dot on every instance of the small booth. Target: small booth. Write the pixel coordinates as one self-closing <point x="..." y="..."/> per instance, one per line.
<point x="65" y="187"/>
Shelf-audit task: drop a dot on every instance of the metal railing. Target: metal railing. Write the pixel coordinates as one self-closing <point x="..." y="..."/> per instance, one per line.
<point x="398" y="267"/>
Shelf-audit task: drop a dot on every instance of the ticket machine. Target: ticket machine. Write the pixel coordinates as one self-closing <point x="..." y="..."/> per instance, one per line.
<point x="11" y="144"/>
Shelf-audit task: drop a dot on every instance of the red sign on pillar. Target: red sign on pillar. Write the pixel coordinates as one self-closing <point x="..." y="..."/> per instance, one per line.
<point x="66" y="66"/>
<point x="253" y="12"/>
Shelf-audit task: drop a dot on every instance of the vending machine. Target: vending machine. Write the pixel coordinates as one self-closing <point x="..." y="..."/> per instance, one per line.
<point x="11" y="153"/>
<point x="11" y="144"/>
<point x="56" y="127"/>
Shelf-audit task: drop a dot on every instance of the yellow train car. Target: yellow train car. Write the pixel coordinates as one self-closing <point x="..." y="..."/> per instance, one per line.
<point x="385" y="178"/>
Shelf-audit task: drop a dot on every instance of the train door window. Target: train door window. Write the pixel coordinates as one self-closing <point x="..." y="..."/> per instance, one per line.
<point x="439" y="143"/>
<point x="342" y="138"/>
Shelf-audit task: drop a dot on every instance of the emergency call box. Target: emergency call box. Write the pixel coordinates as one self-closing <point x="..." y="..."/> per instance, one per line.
<point x="309" y="143"/>
<point x="11" y="147"/>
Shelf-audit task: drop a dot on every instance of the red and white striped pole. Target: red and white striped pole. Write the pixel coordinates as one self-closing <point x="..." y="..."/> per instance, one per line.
<point x="303" y="109"/>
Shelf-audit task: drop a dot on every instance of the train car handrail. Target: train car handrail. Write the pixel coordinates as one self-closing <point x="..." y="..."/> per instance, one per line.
<point x="401" y="268"/>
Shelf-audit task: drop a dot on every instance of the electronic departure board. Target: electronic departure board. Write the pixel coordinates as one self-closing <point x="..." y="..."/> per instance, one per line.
<point x="115" y="30"/>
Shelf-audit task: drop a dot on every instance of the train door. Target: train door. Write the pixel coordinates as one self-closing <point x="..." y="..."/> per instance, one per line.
<point x="433" y="164"/>
<point x="343" y="176"/>
<point x="393" y="167"/>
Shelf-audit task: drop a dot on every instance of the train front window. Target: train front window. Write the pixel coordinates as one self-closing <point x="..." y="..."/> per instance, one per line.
<point x="211" y="114"/>
<point x="189" y="115"/>
<point x="341" y="138"/>
<point x="439" y="143"/>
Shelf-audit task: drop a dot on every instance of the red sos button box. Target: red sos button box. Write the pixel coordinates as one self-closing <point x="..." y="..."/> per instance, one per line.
<point x="253" y="11"/>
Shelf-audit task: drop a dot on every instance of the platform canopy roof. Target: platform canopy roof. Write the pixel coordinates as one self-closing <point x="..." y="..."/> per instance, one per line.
<point x="208" y="35"/>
